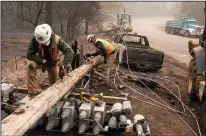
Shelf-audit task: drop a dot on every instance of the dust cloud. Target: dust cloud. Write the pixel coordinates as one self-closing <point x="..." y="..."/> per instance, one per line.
<point x="152" y="9"/>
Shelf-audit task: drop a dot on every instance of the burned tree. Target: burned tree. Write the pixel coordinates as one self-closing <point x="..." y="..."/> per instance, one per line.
<point x="66" y="18"/>
<point x="72" y="15"/>
<point x="188" y="8"/>
<point x="32" y="11"/>
<point x="48" y="13"/>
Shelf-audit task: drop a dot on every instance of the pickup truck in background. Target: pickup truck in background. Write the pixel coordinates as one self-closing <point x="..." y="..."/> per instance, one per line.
<point x="187" y="26"/>
<point x="141" y="56"/>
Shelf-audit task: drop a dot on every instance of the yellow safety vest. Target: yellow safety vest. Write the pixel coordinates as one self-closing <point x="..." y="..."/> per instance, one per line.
<point x="108" y="47"/>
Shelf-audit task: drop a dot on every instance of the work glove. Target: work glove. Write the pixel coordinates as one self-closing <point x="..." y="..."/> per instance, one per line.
<point x="88" y="55"/>
<point x="49" y="63"/>
<point x="43" y="70"/>
<point x="68" y="68"/>
<point x="61" y="72"/>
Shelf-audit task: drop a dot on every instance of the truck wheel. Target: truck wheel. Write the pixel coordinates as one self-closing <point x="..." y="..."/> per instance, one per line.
<point x="203" y="116"/>
<point x="200" y="40"/>
<point x="187" y="34"/>
<point x="191" y="80"/>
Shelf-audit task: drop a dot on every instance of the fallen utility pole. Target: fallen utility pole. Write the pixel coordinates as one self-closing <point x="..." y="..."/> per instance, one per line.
<point x="21" y="120"/>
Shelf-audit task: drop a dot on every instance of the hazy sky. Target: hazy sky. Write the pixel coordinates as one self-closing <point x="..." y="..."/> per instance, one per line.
<point x="152" y="8"/>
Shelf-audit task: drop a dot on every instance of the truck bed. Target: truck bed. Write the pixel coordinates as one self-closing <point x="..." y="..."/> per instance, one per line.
<point x="175" y="24"/>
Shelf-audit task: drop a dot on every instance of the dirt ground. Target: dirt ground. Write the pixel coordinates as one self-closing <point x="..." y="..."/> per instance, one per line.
<point x="161" y="122"/>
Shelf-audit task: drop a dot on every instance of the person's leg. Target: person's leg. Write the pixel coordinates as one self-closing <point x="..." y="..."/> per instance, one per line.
<point x="32" y="79"/>
<point x="111" y="59"/>
<point x="110" y="63"/>
<point x="121" y="52"/>
<point x="52" y="75"/>
<point x="74" y="62"/>
<point x="117" y="47"/>
<point x="77" y="61"/>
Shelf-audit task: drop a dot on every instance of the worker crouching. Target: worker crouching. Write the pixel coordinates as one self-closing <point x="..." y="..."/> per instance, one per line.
<point x="105" y="49"/>
<point x="43" y="53"/>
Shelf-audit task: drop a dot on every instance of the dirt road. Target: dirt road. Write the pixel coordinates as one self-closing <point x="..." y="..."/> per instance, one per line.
<point x="154" y="29"/>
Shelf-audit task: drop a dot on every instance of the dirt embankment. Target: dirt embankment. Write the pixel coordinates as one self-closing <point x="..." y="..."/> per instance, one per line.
<point x="162" y="122"/>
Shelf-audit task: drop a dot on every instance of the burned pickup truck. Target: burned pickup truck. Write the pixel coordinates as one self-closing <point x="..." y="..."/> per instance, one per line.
<point x="140" y="54"/>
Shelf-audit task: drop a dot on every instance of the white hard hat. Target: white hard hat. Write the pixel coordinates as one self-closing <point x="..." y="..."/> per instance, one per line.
<point x="89" y="37"/>
<point x="42" y="33"/>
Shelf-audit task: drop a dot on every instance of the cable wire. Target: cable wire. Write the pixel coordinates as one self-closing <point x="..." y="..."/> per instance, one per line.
<point x="159" y="97"/>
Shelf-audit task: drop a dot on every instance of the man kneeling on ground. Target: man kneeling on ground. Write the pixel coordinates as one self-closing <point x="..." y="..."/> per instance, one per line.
<point x="43" y="53"/>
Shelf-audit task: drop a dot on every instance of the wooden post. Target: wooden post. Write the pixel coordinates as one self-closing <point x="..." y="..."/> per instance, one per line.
<point x="15" y="62"/>
<point x="26" y="116"/>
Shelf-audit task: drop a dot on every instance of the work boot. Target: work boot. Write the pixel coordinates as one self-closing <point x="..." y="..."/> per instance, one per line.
<point x="31" y="96"/>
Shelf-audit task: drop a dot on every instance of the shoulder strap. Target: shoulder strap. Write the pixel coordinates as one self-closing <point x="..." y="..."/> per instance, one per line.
<point x="57" y="39"/>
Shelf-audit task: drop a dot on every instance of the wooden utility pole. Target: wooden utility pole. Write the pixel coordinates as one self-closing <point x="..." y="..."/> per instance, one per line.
<point x="86" y="26"/>
<point x="21" y="120"/>
<point x="20" y="20"/>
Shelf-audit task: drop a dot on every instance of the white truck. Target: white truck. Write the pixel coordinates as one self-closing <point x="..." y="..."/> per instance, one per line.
<point x="187" y="26"/>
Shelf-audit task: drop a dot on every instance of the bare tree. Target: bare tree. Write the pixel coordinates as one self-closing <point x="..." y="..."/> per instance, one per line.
<point x="59" y="10"/>
<point x="32" y="11"/>
<point x="68" y="16"/>
<point x="194" y="9"/>
<point x="72" y="15"/>
<point x="48" y="13"/>
<point x="20" y="21"/>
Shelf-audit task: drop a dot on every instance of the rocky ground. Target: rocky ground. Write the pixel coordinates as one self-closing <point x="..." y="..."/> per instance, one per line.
<point x="162" y="122"/>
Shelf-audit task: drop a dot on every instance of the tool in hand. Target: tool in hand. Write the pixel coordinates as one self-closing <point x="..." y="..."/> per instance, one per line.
<point x="86" y="57"/>
<point x="61" y="72"/>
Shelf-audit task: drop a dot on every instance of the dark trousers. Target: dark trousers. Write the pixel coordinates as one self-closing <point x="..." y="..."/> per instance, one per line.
<point x="75" y="61"/>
